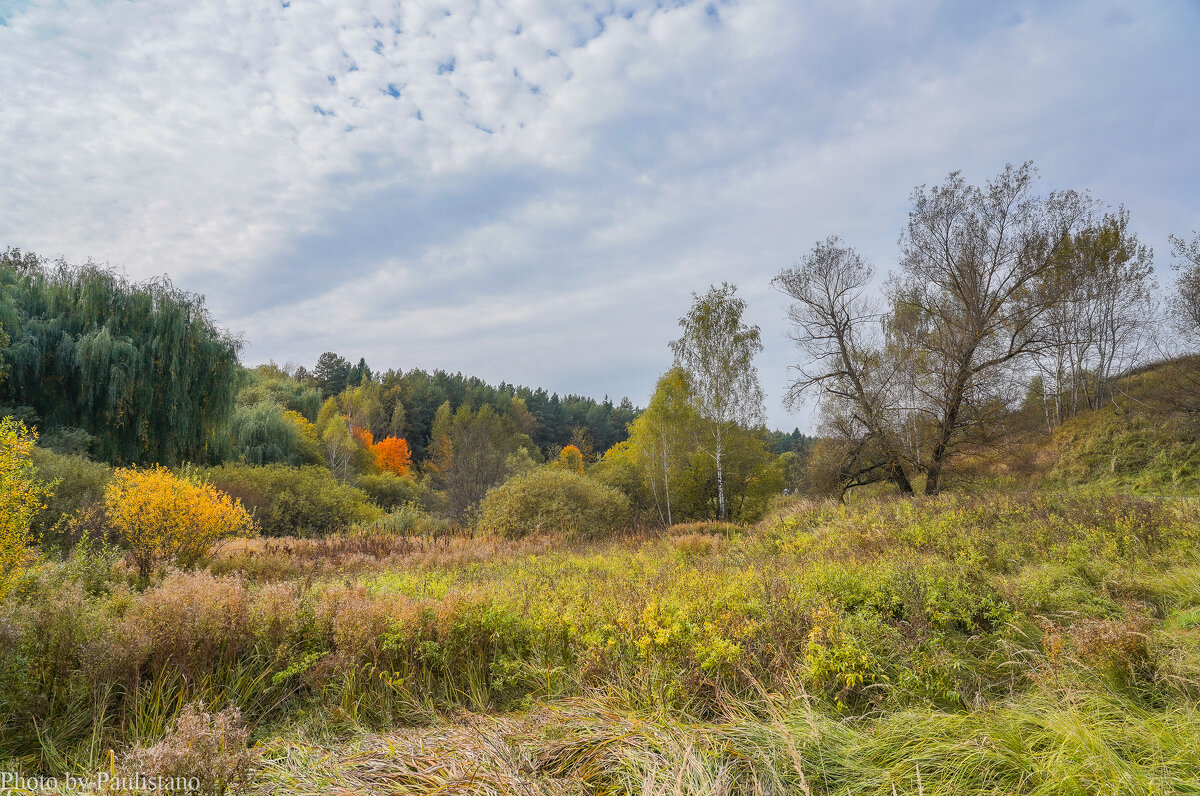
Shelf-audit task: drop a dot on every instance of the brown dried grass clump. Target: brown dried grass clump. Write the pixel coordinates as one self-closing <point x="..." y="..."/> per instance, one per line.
<point x="212" y="748"/>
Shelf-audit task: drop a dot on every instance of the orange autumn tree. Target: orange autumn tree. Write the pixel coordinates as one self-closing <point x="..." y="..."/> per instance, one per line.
<point x="392" y="456"/>
<point x="363" y="435"/>
<point x="571" y="458"/>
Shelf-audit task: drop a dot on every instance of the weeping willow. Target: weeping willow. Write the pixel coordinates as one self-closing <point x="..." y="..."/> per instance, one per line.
<point x="140" y="366"/>
<point x="262" y="434"/>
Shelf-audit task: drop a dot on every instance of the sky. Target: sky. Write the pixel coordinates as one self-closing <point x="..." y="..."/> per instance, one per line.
<point x="532" y="190"/>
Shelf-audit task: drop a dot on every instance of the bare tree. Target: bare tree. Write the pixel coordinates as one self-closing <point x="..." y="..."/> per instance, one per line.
<point x="1102" y="320"/>
<point x="1185" y="304"/>
<point x="975" y="284"/>
<point x="852" y="374"/>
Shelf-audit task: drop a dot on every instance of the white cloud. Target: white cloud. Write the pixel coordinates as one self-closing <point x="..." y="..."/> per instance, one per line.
<point x="530" y="190"/>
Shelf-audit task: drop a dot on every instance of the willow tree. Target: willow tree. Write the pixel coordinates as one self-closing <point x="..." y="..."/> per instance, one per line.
<point x="140" y="366"/>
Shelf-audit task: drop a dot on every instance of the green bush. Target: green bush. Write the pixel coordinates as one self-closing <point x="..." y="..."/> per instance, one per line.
<point x="293" y="501"/>
<point x="553" y="500"/>
<point x="77" y="484"/>
<point x="389" y="491"/>
<point x="407" y="520"/>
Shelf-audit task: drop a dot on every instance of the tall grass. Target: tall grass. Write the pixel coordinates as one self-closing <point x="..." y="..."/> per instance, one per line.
<point x="971" y="644"/>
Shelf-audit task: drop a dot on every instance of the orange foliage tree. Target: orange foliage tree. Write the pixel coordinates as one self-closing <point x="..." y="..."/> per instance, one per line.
<point x="364" y="436"/>
<point x="392" y="456"/>
<point x="571" y="459"/>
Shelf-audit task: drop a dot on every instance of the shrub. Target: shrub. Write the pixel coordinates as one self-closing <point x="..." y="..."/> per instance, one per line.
<point x="288" y="501"/>
<point x="390" y="491"/>
<point x="78" y="485"/>
<point x="161" y="516"/>
<point x="407" y="520"/>
<point x="20" y="495"/>
<point x="551" y="499"/>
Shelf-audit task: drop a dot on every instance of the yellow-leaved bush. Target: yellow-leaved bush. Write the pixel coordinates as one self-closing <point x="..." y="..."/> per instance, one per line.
<point x="20" y="496"/>
<point x="160" y="516"/>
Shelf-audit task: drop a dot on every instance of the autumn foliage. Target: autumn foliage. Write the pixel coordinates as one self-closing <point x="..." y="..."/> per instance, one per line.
<point x="364" y="436"/>
<point x="392" y="456"/>
<point x="160" y="516"/>
<point x="20" y="495"/>
<point x="571" y="458"/>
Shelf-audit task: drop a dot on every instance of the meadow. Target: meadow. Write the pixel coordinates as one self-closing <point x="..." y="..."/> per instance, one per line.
<point x="995" y="642"/>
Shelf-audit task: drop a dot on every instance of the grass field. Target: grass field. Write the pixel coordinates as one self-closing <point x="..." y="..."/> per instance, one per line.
<point x="993" y="643"/>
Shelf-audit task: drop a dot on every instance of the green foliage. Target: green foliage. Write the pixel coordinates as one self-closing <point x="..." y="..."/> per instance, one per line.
<point x="553" y="500"/>
<point x="141" y="367"/>
<point x="473" y="452"/>
<point x="77" y="484"/>
<point x="395" y="403"/>
<point x="752" y="477"/>
<point x="263" y="433"/>
<point x="293" y="501"/>
<point x="390" y="491"/>
<point x="268" y="384"/>
<point x="621" y="469"/>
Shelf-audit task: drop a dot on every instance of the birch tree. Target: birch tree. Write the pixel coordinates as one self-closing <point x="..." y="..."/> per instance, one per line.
<point x="717" y="350"/>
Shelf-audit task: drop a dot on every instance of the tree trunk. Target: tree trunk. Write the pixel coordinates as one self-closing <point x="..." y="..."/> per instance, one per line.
<point x="720" y="479"/>
<point x="949" y="423"/>
<point x="666" y="481"/>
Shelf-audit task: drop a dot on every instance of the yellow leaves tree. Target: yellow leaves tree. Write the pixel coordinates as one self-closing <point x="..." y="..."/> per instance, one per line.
<point x="571" y="458"/>
<point x="20" y="496"/>
<point x="160" y="516"/>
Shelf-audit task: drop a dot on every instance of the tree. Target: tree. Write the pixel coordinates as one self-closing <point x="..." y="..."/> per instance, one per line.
<point x="392" y="455"/>
<point x="663" y="439"/>
<point x="359" y="374"/>
<point x="331" y="373"/>
<point x="266" y="433"/>
<point x="1185" y="304"/>
<point x="977" y="278"/>
<point x="473" y="452"/>
<point x="853" y="375"/>
<point x="717" y="350"/>
<point x="1101" y="322"/>
<point x="570" y="458"/>
<point x="20" y="496"/>
<point x="141" y="367"/>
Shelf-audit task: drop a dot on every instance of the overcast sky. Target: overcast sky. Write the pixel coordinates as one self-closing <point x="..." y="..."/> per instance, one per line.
<point x="532" y="190"/>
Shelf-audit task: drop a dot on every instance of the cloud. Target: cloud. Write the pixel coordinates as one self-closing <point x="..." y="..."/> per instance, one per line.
<point x="531" y="190"/>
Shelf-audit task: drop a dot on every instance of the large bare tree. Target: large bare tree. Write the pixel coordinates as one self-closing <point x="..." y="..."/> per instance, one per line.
<point x="975" y="283"/>
<point x="838" y="326"/>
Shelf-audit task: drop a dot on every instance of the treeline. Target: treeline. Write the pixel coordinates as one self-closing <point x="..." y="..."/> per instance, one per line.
<point x="1004" y="298"/>
<point x="395" y="401"/>
<point x="139" y="373"/>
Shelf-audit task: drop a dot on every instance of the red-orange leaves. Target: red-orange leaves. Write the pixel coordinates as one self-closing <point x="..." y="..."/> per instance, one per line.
<point x="392" y="456"/>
